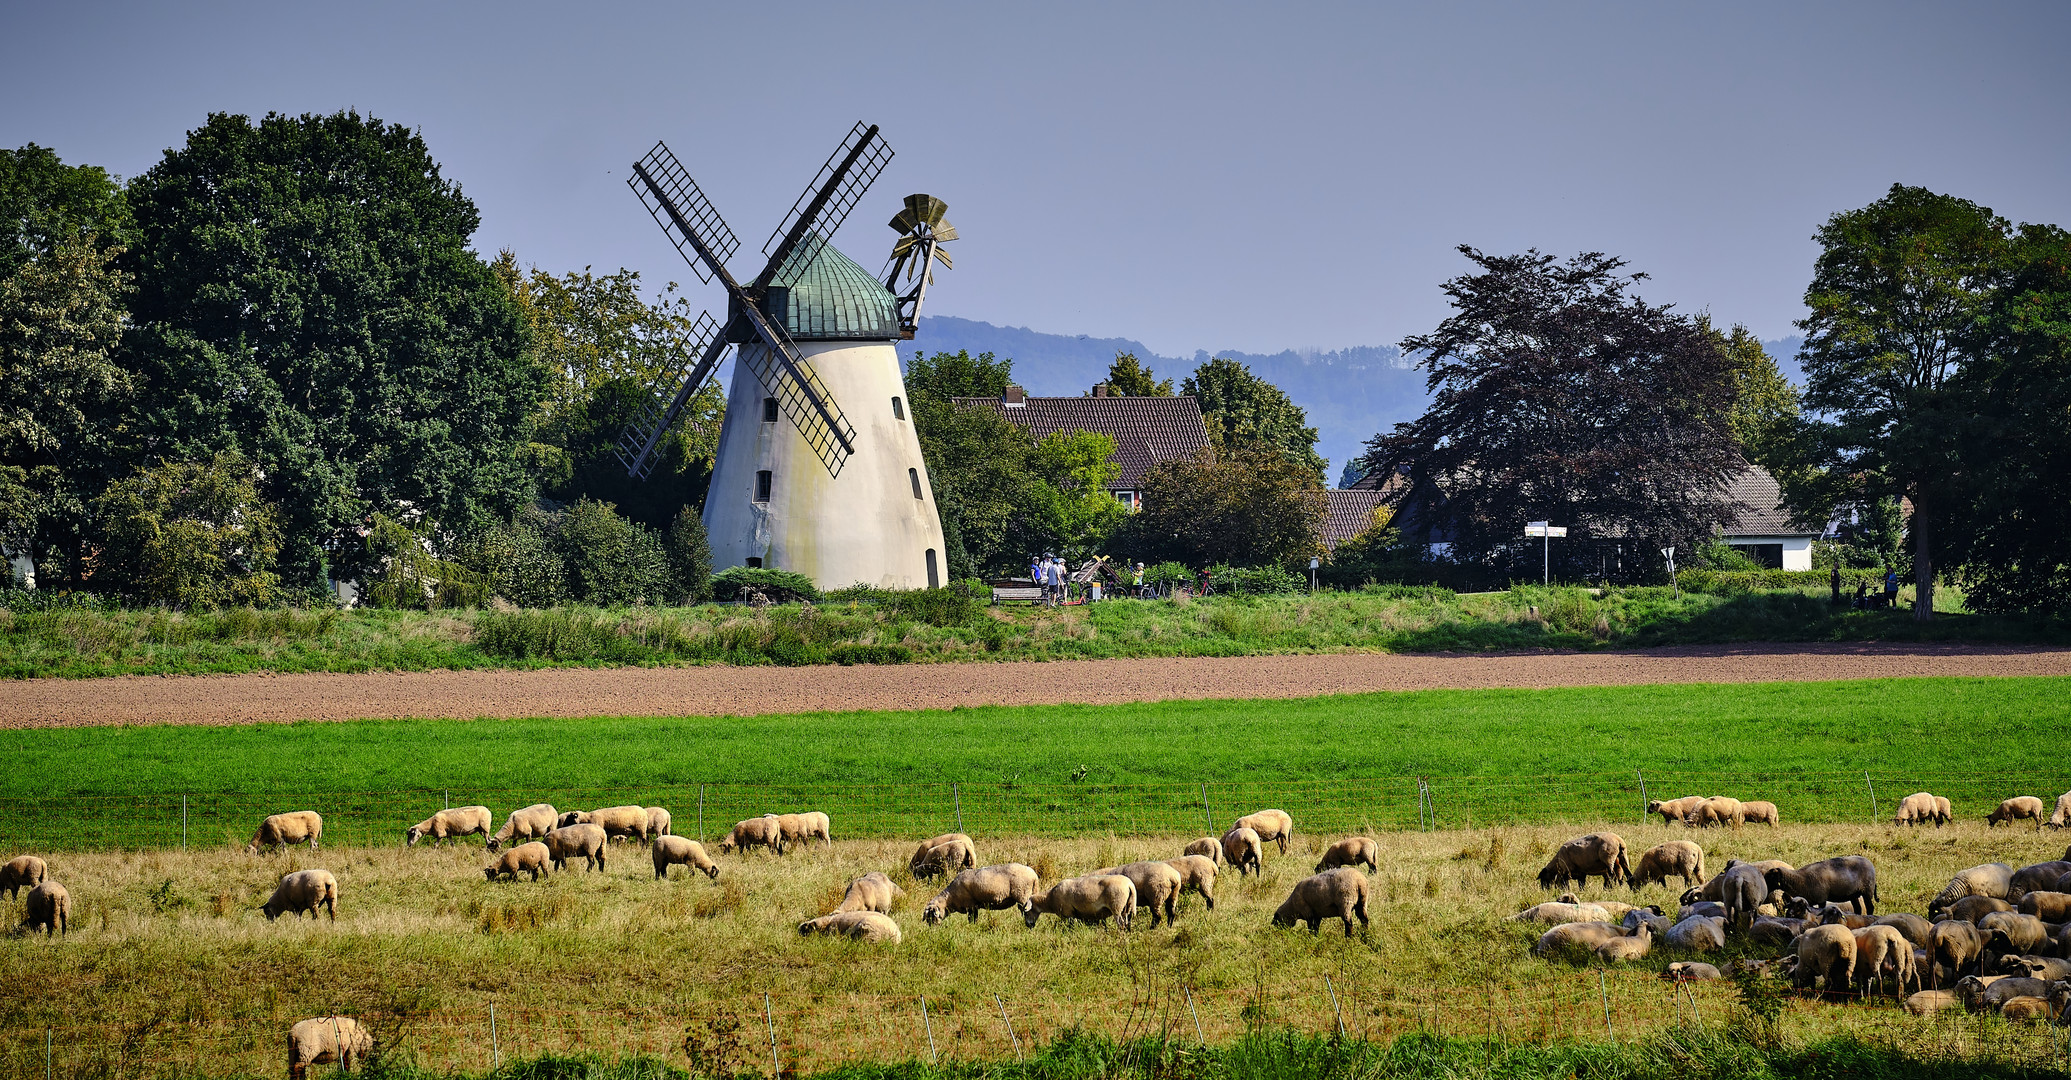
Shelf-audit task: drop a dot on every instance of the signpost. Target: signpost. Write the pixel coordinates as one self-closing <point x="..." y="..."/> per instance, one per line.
<point x="1314" y="562"/>
<point x="1545" y="532"/>
<point x="1669" y="554"/>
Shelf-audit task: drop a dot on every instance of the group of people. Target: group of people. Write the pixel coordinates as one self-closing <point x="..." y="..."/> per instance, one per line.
<point x="1054" y="576"/>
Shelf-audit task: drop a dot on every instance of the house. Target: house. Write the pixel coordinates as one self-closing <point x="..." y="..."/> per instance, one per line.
<point x="1350" y="513"/>
<point x="1146" y="430"/>
<point x="1761" y="528"/>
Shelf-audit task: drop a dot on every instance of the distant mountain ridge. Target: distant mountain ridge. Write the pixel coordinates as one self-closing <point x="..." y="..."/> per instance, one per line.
<point x="1349" y="394"/>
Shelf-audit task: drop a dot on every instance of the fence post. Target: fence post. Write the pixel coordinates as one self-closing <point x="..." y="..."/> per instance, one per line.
<point x="930" y="1028"/>
<point x="495" y="1051"/>
<point x="1334" y="1006"/>
<point x="46" y="1054"/>
<point x="449" y="798"/>
<point x="769" y="1021"/>
<point x="957" y="794"/>
<point x="1197" y="1017"/>
<point x="1605" y="993"/>
<point x="1643" y="795"/>
<point x="1206" y="814"/>
<point x="1010" y="1026"/>
<point x="1873" y="795"/>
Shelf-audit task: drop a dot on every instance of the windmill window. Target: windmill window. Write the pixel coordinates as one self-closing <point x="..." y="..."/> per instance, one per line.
<point x="898" y="409"/>
<point x="755" y="562"/>
<point x="913" y="477"/>
<point x="762" y="486"/>
<point x="934" y="575"/>
<point x="769" y="410"/>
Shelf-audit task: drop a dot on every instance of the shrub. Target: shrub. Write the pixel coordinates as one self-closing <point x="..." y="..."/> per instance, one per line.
<point x="1258" y="580"/>
<point x="1168" y="573"/>
<point x="690" y="557"/>
<point x="1730" y="583"/>
<point x="190" y="534"/>
<point x="412" y="577"/>
<point x="780" y="586"/>
<point x="612" y="562"/>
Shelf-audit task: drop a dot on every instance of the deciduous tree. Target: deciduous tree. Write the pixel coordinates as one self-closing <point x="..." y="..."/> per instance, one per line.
<point x="1244" y="504"/>
<point x="1239" y="406"/>
<point x="1129" y="378"/>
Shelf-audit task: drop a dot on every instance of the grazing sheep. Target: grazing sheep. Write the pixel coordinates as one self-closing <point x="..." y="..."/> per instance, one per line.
<point x="1091" y="900"/>
<point x="1197" y="872"/>
<point x="871" y="892"/>
<point x="1826" y="952"/>
<point x="682" y="851"/>
<point x="278" y="831"/>
<point x="2025" y="1009"/>
<point x="530" y="857"/>
<point x="2062" y="816"/>
<point x="985" y="888"/>
<point x="1157" y="886"/>
<point x="1882" y="952"/>
<point x="2048" y="906"/>
<point x="585" y="841"/>
<point x="1760" y="813"/>
<point x="2018" y="808"/>
<point x="325" y="1039"/>
<point x="22" y="872"/>
<point x="2011" y="932"/>
<point x="1557" y="912"/>
<point x="1918" y="808"/>
<point x="752" y="833"/>
<point x="1953" y="946"/>
<point x="1691" y="971"/>
<point x="1333" y="894"/>
<point x="1716" y="811"/>
<point x="2035" y="878"/>
<point x="1697" y="933"/>
<point x="1943" y="813"/>
<point x="1676" y="858"/>
<point x="1599" y="854"/>
<point x="1972" y="908"/>
<point x="1207" y="847"/>
<point x="1929" y="1002"/>
<point x="1990" y="879"/>
<point x="623" y="822"/>
<point x="944" y="859"/>
<point x="1618" y="950"/>
<point x="49" y="909"/>
<point x="1673" y="811"/>
<point x="1575" y="939"/>
<point x="1274" y="825"/>
<point x="921" y="852"/>
<point x="659" y="822"/>
<point x="530" y="823"/>
<point x="1911" y="927"/>
<point x="796" y="829"/>
<point x="1352" y="851"/>
<point x="303" y="890"/>
<point x="873" y="927"/>
<point x="1241" y="849"/>
<point x="450" y="824"/>
<point x="1848" y="877"/>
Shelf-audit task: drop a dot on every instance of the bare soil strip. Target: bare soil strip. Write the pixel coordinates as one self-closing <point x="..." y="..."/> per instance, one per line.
<point x="732" y="691"/>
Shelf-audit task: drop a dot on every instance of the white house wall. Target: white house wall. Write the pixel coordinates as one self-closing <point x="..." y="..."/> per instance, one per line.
<point x="1797" y="550"/>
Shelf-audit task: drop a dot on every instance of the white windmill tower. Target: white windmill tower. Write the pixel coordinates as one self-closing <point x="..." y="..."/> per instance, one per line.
<point x="819" y="470"/>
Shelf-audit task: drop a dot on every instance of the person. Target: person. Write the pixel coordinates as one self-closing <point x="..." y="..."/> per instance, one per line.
<point x="1891" y="587"/>
<point x="1053" y="576"/>
<point x="1837" y="585"/>
<point x="1035" y="571"/>
<point x="1139" y="581"/>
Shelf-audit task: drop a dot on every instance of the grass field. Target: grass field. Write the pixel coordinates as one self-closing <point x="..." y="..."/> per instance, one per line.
<point x="72" y="643"/>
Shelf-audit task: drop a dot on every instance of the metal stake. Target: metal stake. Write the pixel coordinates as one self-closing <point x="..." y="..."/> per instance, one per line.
<point x="958" y="795"/>
<point x="46" y="1054"/>
<point x="930" y="1026"/>
<point x="1010" y="1026"/>
<point x="1874" y="815"/>
<point x="449" y="798"/>
<point x="495" y="1051"/>
<point x="1197" y="1017"/>
<point x="769" y="1021"/>
<point x="1606" y="994"/>
<point x="1334" y="1006"/>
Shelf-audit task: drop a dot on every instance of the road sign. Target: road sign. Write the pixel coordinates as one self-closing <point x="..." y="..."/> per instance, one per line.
<point x="1540" y="528"/>
<point x="1545" y="531"/>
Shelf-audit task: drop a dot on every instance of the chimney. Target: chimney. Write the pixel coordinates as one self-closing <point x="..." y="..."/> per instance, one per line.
<point x="1014" y="398"/>
<point x="1099" y="389"/>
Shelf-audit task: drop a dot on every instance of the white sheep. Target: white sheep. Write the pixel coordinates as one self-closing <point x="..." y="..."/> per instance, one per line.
<point x="586" y="842"/>
<point x="527" y="858"/>
<point x="49" y="909"/>
<point x="279" y="831"/>
<point x="658" y="822"/>
<point x="303" y="890"/>
<point x="871" y="892"/>
<point x="867" y="926"/>
<point x="530" y="823"/>
<point x="325" y="1039"/>
<point x="451" y="824"/>
<point x="984" y="888"/>
<point x="1091" y="900"/>
<point x="22" y="872"/>
<point x="681" y="850"/>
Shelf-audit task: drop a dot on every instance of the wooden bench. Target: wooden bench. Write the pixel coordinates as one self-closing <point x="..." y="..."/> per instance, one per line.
<point x="1032" y="594"/>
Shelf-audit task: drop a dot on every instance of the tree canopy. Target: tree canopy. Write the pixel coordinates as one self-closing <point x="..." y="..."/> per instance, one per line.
<point x="1244" y="504"/>
<point x="1238" y="406"/>
<point x="1129" y="378"/>
<point x="978" y="461"/>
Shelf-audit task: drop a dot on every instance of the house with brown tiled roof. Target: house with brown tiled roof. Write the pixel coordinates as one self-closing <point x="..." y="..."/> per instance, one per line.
<point x="1146" y="430"/>
<point x="1761" y="528"/>
<point x="1351" y="512"/>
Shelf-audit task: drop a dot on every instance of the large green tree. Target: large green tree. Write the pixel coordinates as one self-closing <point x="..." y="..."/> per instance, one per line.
<point x="44" y="201"/>
<point x="1239" y="406"/>
<point x="1244" y="504"/>
<point x="306" y="297"/>
<point x="978" y="462"/>
<point x="1129" y="378"/>
<point x="1896" y="297"/>
<point x="1765" y="404"/>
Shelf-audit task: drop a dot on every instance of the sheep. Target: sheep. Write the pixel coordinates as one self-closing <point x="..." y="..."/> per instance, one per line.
<point x="1953" y="947"/>
<point x="22" y="872"/>
<point x="1717" y="811"/>
<point x="1929" y="1002"/>
<point x="681" y="850"/>
<point x="1614" y="908"/>
<point x="1704" y="908"/>
<point x="873" y="927"/>
<point x="1943" y="813"/>
<point x="1972" y="908"/>
<point x="1241" y="849"/>
<point x="1157" y="886"/>
<point x="1352" y="851"/>
<point x="1989" y="879"/>
<point x="530" y="857"/>
<point x="1659" y="924"/>
<point x="1333" y="894"/>
<point x="280" y="830"/>
<point x="1836" y="915"/>
<point x="2011" y="932"/>
<point x="629" y="822"/>
<point x="1882" y="952"/>
<point x="984" y="888"/>
<point x="920" y="853"/>
<point x="659" y="822"/>
<point x="530" y="823"/>
<point x="1208" y="847"/>
<point x="1826" y="952"/>
<point x="2018" y="808"/>
<point x="1917" y="809"/>
<point x="1600" y="854"/>
<point x="49" y="909"/>
<point x="1911" y="927"/>
<point x="2060" y="1000"/>
<point x="795" y="829"/>
<point x="1769" y="931"/>
<point x="1555" y="913"/>
<point x="2035" y="878"/>
<point x="1760" y="813"/>
<point x="1848" y="877"/>
<point x="1575" y="938"/>
<point x="451" y="824"/>
<point x="1634" y="946"/>
<point x="1197" y="872"/>
<point x="944" y="859"/>
<point x="1691" y="971"/>
<point x="585" y="841"/>
<point x="303" y="890"/>
<point x="1274" y="825"/>
<point x="1673" y="811"/>
<point x="1676" y="858"/>
<point x="2026" y="1009"/>
<point x="871" y="892"/>
<point x="1697" y="933"/>
<point x="2048" y="906"/>
<point x="2047" y="968"/>
<point x="2062" y="815"/>
<point x="1090" y="899"/>
<point x="1986" y="993"/>
<point x="752" y="833"/>
<point x="325" y="1039"/>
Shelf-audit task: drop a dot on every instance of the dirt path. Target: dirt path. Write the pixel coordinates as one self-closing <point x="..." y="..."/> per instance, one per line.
<point x="718" y="691"/>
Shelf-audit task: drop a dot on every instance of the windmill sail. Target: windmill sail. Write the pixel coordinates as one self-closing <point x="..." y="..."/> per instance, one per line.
<point x="637" y="443"/>
<point x="826" y="202"/>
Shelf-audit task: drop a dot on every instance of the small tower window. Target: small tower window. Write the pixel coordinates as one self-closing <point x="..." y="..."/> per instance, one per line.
<point x="755" y="562"/>
<point x="769" y="410"/>
<point x="762" y="486"/>
<point x="913" y="476"/>
<point x="934" y="575"/>
<point x="898" y="409"/>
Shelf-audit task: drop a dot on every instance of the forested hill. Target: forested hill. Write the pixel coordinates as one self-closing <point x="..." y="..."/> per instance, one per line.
<point x="1349" y="394"/>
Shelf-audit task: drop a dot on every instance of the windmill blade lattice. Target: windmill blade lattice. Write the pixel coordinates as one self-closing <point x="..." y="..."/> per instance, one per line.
<point x="662" y="183"/>
<point x="687" y="371"/>
<point x="835" y="190"/>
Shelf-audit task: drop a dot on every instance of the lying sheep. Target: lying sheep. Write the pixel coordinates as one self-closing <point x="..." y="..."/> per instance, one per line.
<point x="1241" y="849"/>
<point x="944" y="859"/>
<point x="1929" y="1002"/>
<point x="1659" y="924"/>
<point x="1826" y="952"/>
<point x="2060" y="999"/>
<point x="796" y="829"/>
<point x="1207" y="847"/>
<point x="1333" y="894"/>
<point x="450" y="824"/>
<point x="1698" y="934"/>
<point x="1197" y="873"/>
<point x="1614" y="908"/>
<point x="530" y="857"/>
<point x="752" y="833"/>
<point x="1990" y="879"/>
<point x="279" y="831"/>
<point x="1760" y="813"/>
<point x="1953" y="948"/>
<point x="1985" y="994"/>
<point x="325" y="1039"/>
<point x="303" y="890"/>
<point x="871" y="892"/>
<point x="1573" y="939"/>
<point x="920" y="853"/>
<point x="1673" y="811"/>
<point x="1691" y="971"/>
<point x="2026" y="1009"/>
<point x="872" y="927"/>
<point x="1273" y="825"/>
<point x="2047" y="968"/>
<point x="1157" y="886"/>
<point x="1716" y="811"/>
<point x="1555" y="912"/>
<point x="2018" y="808"/>
<point x="1835" y="915"/>
<point x="1091" y="900"/>
<point x="530" y="823"/>
<point x="1881" y="953"/>
<point x="1597" y="854"/>
<point x="49" y="909"/>
<point x="586" y="842"/>
<point x="1618" y="950"/>
<point x="671" y="851"/>
<point x="1352" y="851"/>
<point x="2062" y="815"/>
<point x="985" y="888"/>
<point x="1918" y="808"/>
<point x="22" y="872"/>
<point x="1676" y="858"/>
<point x="1775" y="931"/>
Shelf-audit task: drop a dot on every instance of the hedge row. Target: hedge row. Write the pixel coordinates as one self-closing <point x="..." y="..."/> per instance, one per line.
<point x="1746" y="581"/>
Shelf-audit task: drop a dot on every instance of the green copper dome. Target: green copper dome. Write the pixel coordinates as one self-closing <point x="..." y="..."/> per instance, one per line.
<point x="825" y="296"/>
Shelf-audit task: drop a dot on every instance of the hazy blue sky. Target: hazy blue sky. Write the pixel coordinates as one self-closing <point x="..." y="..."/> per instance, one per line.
<point x="1194" y="176"/>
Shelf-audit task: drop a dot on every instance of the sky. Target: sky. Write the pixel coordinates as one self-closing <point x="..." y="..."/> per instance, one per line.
<point x="1194" y="176"/>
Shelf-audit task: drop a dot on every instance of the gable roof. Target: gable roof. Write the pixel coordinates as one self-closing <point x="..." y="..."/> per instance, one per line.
<point x="1351" y="513"/>
<point x="1146" y="430"/>
<point x="1758" y="508"/>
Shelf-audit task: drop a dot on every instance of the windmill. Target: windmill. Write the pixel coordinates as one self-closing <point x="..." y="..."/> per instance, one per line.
<point x="818" y="468"/>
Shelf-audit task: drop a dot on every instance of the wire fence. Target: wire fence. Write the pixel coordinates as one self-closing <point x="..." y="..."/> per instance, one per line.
<point x="859" y="811"/>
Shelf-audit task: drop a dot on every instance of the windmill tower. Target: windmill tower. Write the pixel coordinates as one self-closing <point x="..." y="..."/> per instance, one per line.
<point x="819" y="470"/>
